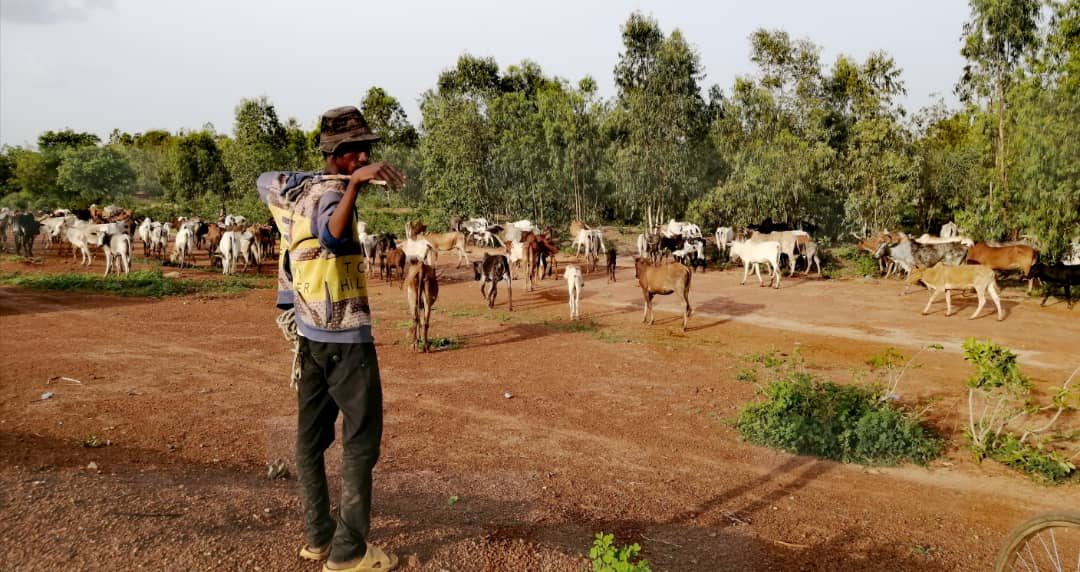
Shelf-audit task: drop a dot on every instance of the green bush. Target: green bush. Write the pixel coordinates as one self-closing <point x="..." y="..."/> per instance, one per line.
<point x="606" y="557"/>
<point x="1031" y="458"/>
<point x="1001" y="395"/>
<point x="849" y="423"/>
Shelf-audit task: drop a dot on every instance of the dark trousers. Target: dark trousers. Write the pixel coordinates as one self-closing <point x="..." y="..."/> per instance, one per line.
<point x="338" y="377"/>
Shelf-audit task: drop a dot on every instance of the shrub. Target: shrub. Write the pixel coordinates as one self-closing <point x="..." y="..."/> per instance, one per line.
<point x="606" y="557"/>
<point x="849" y="423"/>
<point x="1002" y="396"/>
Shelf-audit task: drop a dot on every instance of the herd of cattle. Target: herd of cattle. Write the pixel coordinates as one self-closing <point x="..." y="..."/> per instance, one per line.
<point x="943" y="263"/>
<point x="227" y="243"/>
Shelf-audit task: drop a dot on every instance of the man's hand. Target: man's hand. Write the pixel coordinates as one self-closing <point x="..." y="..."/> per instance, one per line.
<point x="377" y="172"/>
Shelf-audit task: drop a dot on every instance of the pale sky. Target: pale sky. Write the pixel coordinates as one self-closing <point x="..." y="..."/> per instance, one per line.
<point x="93" y="65"/>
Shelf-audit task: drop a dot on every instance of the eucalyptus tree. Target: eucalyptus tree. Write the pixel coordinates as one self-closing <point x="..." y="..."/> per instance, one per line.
<point x="996" y="38"/>
<point x="659" y="124"/>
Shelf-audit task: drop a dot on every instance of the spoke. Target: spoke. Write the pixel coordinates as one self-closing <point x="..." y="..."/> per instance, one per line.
<point x="1020" y="558"/>
<point x="1049" y="554"/>
<point x="1055" y="558"/>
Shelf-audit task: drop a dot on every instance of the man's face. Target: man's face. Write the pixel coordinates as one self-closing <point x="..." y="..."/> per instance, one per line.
<point x="352" y="157"/>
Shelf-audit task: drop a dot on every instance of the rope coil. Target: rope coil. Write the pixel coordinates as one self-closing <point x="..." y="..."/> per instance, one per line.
<point x="286" y="321"/>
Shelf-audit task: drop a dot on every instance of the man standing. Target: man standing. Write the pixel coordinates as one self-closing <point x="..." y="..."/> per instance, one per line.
<point x="339" y="370"/>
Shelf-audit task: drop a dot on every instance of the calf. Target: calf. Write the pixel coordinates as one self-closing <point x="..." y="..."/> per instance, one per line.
<point x="395" y="258"/>
<point x="949" y="278"/>
<point x="574" y="284"/>
<point x="494" y="268"/>
<point x="117" y="249"/>
<point x="670" y="278"/>
<point x="611" y="264"/>
<point x="423" y="289"/>
<point x="1063" y="275"/>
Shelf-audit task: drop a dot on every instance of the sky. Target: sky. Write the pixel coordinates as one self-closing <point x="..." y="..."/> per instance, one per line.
<point x="136" y="65"/>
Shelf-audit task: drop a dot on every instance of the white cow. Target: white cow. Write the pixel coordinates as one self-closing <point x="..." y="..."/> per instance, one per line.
<point x="574" y="284"/>
<point x="184" y="246"/>
<point x="683" y="229"/>
<point x="420" y="249"/>
<point x="117" y="249"/>
<point x="724" y="236"/>
<point x="229" y="249"/>
<point x="752" y="252"/>
<point x="949" y="230"/>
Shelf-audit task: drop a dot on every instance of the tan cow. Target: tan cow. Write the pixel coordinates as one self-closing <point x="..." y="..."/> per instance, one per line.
<point x="449" y="241"/>
<point x="948" y="278"/>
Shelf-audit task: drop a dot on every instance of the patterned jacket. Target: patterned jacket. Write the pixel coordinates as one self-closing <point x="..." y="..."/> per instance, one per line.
<point x="323" y="276"/>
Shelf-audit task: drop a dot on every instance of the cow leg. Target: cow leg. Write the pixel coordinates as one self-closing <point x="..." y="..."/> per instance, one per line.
<point x="948" y="302"/>
<point x="1068" y="297"/>
<point x="645" y="310"/>
<point x="982" y="302"/>
<point x="933" y="295"/>
<point x="993" y="289"/>
<point x="652" y="314"/>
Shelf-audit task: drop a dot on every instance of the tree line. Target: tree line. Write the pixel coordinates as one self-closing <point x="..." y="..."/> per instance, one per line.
<point x="823" y="145"/>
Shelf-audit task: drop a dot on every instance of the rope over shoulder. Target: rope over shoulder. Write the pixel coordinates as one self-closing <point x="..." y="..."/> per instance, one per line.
<point x="286" y="321"/>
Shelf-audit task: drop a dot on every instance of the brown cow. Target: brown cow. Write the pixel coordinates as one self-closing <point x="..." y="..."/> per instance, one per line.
<point x="213" y="238"/>
<point x="667" y="278"/>
<point x="423" y="290"/>
<point x="1019" y="257"/>
<point x="394" y="259"/>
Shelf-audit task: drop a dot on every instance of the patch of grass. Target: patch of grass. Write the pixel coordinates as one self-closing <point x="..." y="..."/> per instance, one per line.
<point x="607" y="337"/>
<point x="93" y="442"/>
<point x="572" y="327"/>
<point x="438" y="344"/>
<point x="749" y="375"/>
<point x="15" y="258"/>
<point x="464" y="314"/>
<point x="453" y="500"/>
<point x="403" y="324"/>
<point x="144" y="283"/>
<point x="924" y="550"/>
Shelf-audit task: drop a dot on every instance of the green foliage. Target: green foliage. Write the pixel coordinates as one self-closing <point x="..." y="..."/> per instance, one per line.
<point x="444" y="343"/>
<point x="747" y="375"/>
<point x="606" y="557"/>
<point x="1001" y="395"/>
<point x="995" y="368"/>
<point x="144" y="283"/>
<point x="1031" y="458"/>
<point x="194" y="168"/>
<point x="95" y="175"/>
<point x="849" y="423"/>
<point x="453" y="500"/>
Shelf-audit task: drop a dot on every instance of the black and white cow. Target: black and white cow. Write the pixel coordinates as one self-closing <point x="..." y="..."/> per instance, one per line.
<point x="494" y="268"/>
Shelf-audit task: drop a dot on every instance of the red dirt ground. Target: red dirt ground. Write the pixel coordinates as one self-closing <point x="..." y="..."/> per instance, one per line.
<point x="612" y="426"/>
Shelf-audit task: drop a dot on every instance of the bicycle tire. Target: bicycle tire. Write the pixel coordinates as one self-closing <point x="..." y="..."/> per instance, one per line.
<point x="1027" y="530"/>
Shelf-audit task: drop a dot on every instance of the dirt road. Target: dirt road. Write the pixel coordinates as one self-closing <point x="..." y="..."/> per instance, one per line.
<point x="611" y="426"/>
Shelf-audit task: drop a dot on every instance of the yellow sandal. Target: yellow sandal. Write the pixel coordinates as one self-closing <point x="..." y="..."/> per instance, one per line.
<point x="374" y="560"/>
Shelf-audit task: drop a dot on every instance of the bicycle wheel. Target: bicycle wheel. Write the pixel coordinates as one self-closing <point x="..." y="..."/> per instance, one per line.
<point x="1047" y="542"/>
